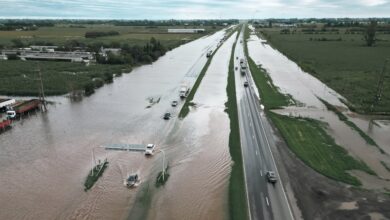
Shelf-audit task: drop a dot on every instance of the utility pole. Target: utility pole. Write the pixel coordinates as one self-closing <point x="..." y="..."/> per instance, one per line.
<point x="379" y="88"/>
<point x="42" y="90"/>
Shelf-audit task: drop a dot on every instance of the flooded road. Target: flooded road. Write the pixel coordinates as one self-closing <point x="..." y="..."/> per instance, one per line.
<point x="201" y="163"/>
<point x="45" y="158"/>
<point x="304" y="88"/>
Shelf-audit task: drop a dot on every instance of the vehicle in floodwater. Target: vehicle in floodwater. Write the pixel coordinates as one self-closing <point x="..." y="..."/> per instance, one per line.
<point x="22" y="107"/>
<point x="174" y="103"/>
<point x="167" y="116"/>
<point x="149" y="149"/>
<point x="208" y="55"/>
<point x="131" y="180"/>
<point x="184" y="90"/>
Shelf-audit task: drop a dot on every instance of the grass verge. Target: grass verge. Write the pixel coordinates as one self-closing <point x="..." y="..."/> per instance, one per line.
<point x="308" y="139"/>
<point x="270" y="95"/>
<point x="237" y="200"/>
<point x="352" y="125"/>
<point x="94" y="175"/>
<point x="186" y="107"/>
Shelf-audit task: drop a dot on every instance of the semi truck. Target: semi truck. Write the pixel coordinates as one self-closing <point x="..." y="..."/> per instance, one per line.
<point x="184" y="90"/>
<point x="19" y="108"/>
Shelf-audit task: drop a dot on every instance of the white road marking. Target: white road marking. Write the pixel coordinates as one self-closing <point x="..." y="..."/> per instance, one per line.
<point x="250" y="124"/>
<point x="253" y="136"/>
<point x="266" y="199"/>
<point x="261" y="173"/>
<point x="257" y="152"/>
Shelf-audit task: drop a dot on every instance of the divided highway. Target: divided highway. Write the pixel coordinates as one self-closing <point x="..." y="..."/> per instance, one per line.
<point x="265" y="200"/>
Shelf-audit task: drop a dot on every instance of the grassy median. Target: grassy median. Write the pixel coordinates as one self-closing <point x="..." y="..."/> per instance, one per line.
<point x="238" y="208"/>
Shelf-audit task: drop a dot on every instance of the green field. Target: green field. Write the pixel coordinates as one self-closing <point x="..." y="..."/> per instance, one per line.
<point x="308" y="139"/>
<point x="342" y="61"/>
<point x="58" y="77"/>
<point x="132" y="35"/>
<point x="237" y="200"/>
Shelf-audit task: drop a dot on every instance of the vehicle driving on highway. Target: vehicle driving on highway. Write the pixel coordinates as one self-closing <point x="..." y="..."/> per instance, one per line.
<point x="271" y="177"/>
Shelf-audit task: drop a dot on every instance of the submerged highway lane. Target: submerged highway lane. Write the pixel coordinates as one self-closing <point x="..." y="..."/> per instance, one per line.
<point x="265" y="200"/>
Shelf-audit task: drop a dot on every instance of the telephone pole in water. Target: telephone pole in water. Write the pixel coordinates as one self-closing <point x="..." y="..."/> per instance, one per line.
<point x="42" y="92"/>
<point x="379" y="88"/>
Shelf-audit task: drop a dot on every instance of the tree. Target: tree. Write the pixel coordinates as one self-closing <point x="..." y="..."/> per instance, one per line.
<point x="369" y="36"/>
<point x="17" y="43"/>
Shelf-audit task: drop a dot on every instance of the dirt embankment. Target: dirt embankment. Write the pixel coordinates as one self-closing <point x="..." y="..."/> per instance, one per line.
<point x="319" y="197"/>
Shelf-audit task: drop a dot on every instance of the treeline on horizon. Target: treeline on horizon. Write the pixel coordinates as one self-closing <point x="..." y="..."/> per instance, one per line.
<point x="6" y="23"/>
<point x="328" y="22"/>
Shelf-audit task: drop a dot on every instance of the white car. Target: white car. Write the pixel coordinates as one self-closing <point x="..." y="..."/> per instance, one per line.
<point x="149" y="149"/>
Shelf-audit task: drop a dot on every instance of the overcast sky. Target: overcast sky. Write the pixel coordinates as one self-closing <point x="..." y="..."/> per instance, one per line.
<point x="192" y="9"/>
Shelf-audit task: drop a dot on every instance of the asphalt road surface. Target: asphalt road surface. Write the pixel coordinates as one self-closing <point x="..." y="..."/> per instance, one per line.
<point x="265" y="200"/>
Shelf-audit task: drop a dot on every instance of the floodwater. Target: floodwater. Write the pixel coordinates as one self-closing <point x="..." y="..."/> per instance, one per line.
<point x="45" y="158"/>
<point x="201" y="165"/>
<point x="304" y="88"/>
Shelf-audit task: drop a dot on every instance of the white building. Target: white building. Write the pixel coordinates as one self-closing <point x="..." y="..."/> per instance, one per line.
<point x="186" y="31"/>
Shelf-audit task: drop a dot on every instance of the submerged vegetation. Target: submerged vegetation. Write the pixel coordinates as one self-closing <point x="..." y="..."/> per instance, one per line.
<point x="94" y="174"/>
<point x="352" y="125"/>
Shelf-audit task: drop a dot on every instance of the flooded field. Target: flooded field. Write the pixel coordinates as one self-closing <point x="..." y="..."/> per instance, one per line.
<point x="305" y="90"/>
<point x="45" y="158"/>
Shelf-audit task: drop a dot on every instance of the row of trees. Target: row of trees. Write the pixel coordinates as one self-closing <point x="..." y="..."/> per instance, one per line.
<point x="134" y="54"/>
<point x="95" y="34"/>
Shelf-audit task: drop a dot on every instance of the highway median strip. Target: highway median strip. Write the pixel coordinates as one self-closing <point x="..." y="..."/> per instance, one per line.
<point x="237" y="192"/>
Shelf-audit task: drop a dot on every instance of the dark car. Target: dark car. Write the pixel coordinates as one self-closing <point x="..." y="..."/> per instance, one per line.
<point x="271" y="177"/>
<point x="246" y="84"/>
<point x="167" y="116"/>
<point x="132" y="180"/>
<point x="174" y="103"/>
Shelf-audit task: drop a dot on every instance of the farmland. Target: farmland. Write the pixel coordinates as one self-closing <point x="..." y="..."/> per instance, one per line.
<point x="63" y="34"/>
<point x="60" y="77"/>
<point x="341" y="60"/>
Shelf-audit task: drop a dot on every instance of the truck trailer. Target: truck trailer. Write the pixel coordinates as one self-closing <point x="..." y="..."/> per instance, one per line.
<point x="22" y="107"/>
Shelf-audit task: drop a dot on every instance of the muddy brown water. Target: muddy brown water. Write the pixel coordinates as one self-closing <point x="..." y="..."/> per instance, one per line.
<point x="201" y="165"/>
<point x="305" y="89"/>
<point x="45" y="158"/>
